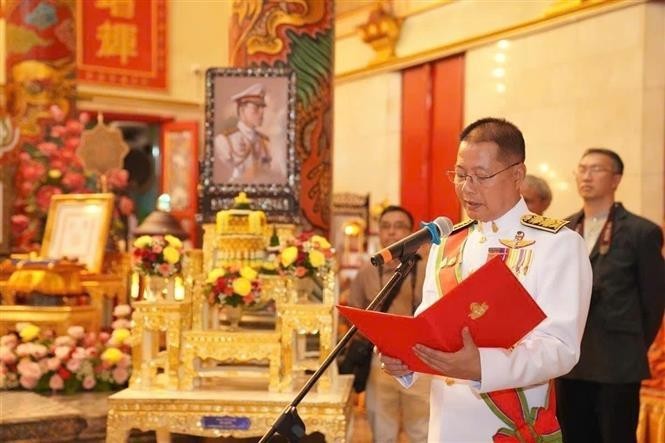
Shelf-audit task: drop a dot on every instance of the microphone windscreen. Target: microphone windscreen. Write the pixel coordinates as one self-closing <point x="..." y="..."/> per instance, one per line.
<point x="445" y="225"/>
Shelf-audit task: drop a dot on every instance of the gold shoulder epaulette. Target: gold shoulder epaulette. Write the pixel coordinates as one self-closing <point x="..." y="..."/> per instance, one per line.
<point x="535" y="221"/>
<point x="464" y="224"/>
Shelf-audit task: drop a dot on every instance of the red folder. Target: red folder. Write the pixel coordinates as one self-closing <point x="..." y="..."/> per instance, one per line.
<point x="491" y="302"/>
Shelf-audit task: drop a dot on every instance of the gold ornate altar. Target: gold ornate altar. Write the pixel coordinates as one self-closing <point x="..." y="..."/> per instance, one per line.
<point x="105" y="289"/>
<point x="193" y="375"/>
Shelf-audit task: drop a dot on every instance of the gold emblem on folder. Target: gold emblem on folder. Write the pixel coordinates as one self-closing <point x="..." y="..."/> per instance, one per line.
<point x="477" y="310"/>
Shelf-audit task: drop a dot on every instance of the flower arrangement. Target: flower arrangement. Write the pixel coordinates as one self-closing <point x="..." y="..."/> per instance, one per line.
<point x="233" y="286"/>
<point x="307" y="256"/>
<point x="157" y="255"/>
<point x="37" y="360"/>
<point x="50" y="167"/>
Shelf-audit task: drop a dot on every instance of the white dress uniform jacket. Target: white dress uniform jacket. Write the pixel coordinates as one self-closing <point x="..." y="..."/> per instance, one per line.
<point x="559" y="280"/>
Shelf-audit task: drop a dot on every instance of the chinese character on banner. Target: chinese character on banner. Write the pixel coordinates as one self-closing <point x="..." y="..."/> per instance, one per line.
<point x="122" y="42"/>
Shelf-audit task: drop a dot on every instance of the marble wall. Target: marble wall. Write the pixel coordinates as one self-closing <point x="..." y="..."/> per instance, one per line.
<point x="367" y="137"/>
<point x="597" y="82"/>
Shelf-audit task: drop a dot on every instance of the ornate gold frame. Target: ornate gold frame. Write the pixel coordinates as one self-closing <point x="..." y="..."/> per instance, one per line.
<point x="91" y="206"/>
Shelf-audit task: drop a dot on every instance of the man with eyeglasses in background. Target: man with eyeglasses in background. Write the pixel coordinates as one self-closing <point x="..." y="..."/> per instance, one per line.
<point x="598" y="401"/>
<point x="490" y="394"/>
<point x="389" y="405"/>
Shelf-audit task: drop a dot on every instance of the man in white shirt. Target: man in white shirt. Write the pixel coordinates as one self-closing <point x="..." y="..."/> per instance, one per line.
<point x="242" y="153"/>
<point x="474" y="397"/>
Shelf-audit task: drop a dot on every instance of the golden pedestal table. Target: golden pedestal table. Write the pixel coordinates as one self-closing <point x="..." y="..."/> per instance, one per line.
<point x="244" y="345"/>
<point x="150" y="319"/>
<point x="228" y="413"/>
<point x="303" y="319"/>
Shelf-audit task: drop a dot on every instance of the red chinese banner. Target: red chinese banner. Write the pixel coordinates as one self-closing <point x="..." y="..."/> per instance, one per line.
<point x="122" y="42"/>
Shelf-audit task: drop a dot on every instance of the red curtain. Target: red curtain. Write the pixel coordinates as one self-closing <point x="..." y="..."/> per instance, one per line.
<point x="432" y="117"/>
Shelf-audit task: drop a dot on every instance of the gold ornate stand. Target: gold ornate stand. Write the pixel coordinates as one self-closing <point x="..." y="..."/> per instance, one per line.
<point x="237" y="346"/>
<point x="185" y="411"/>
<point x="150" y="319"/>
<point x="58" y="318"/>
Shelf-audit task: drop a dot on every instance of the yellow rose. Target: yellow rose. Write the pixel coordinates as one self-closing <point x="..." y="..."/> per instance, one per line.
<point x="248" y="273"/>
<point x="316" y="258"/>
<point x="289" y="255"/>
<point x="214" y="275"/>
<point x="143" y="241"/>
<point x="29" y="332"/>
<point x="173" y="241"/>
<point x="54" y="174"/>
<point x="111" y="356"/>
<point x="242" y="286"/>
<point x="321" y="241"/>
<point x="269" y="266"/>
<point x="171" y="254"/>
<point x="120" y="335"/>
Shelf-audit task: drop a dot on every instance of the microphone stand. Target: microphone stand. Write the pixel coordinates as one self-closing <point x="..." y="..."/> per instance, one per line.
<point x="289" y="424"/>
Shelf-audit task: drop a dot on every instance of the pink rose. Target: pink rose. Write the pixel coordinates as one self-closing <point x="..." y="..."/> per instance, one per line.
<point x="56" y="382"/>
<point x="38" y="350"/>
<point x="74" y="126"/>
<point x="6" y="355"/>
<point x="58" y="131"/>
<point x="10" y="340"/>
<point x="89" y="340"/>
<point x="89" y="382"/>
<point x="104" y="336"/>
<point x="27" y="187"/>
<point x="76" y="332"/>
<point x="73" y="180"/>
<point x="117" y="178"/>
<point x="47" y="148"/>
<point x="124" y="362"/>
<point x="44" y="194"/>
<point x="52" y="364"/>
<point x="120" y="375"/>
<point x="28" y="382"/>
<point x="32" y="170"/>
<point x="24" y="349"/>
<point x="63" y="352"/>
<point x="157" y="249"/>
<point x="64" y="340"/>
<point x="165" y="269"/>
<point x="91" y="352"/>
<point x="73" y="142"/>
<point x="57" y="113"/>
<point x="73" y="364"/>
<point x="29" y="368"/>
<point x="79" y="353"/>
<point x="84" y="118"/>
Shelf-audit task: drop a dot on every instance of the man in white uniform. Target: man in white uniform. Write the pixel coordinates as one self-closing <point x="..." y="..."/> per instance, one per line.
<point x="550" y="261"/>
<point x="241" y="153"/>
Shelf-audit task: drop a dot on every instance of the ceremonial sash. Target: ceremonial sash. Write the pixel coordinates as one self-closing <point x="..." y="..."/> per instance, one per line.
<point x="524" y="424"/>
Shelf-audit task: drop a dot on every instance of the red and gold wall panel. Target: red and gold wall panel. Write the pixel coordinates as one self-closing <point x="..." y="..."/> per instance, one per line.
<point x="298" y="35"/>
<point x="122" y="42"/>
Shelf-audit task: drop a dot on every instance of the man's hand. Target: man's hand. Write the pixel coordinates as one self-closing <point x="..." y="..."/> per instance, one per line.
<point x="393" y="366"/>
<point x="463" y="364"/>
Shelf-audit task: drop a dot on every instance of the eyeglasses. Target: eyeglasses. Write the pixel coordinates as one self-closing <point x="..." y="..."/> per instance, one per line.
<point x="459" y="179"/>
<point x="396" y="226"/>
<point x="593" y="170"/>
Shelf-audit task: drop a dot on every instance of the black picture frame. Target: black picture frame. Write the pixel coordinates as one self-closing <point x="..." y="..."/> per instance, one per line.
<point x="276" y="192"/>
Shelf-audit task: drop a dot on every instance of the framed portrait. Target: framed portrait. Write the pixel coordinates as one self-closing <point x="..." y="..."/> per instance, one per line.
<point x="250" y="142"/>
<point x="77" y="226"/>
<point x="180" y="177"/>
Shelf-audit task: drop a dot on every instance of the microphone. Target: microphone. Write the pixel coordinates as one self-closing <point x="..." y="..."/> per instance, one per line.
<point x="430" y="232"/>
